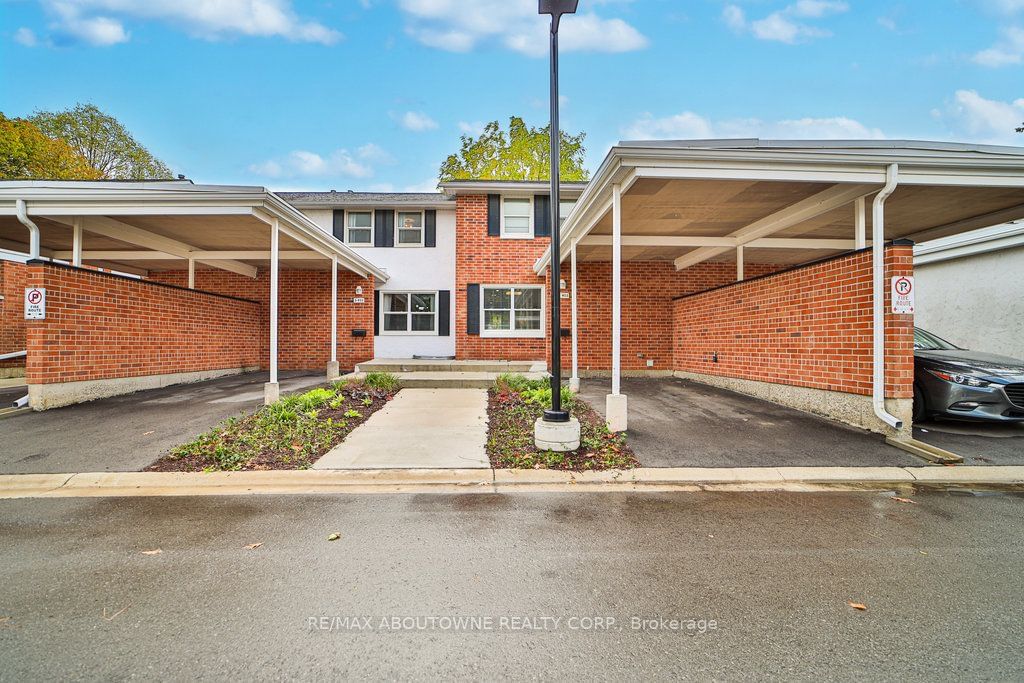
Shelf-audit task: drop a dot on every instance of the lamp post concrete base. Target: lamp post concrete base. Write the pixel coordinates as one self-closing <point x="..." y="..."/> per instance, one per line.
<point x="574" y="384"/>
<point x="556" y="436"/>
<point x="616" y="412"/>
<point x="271" y="392"/>
<point x="333" y="370"/>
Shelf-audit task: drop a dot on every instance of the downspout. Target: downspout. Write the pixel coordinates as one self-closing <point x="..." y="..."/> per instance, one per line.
<point x="878" y="297"/>
<point x="33" y="229"/>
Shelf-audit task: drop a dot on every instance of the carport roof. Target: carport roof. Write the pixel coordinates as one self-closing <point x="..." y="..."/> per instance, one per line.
<point x="785" y="201"/>
<point x="144" y="226"/>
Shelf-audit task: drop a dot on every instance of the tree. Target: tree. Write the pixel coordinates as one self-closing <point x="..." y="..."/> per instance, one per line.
<point x="26" y="153"/>
<point x="523" y="153"/>
<point x="1021" y="129"/>
<point x="104" y="142"/>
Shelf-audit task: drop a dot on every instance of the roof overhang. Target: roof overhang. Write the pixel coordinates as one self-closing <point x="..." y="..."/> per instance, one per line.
<point x="161" y="225"/>
<point x="477" y="187"/>
<point x="693" y="190"/>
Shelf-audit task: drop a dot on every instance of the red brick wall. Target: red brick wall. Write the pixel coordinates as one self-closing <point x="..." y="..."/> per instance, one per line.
<point x="12" y="312"/>
<point x="101" y="326"/>
<point x="807" y="327"/>
<point x="304" y="313"/>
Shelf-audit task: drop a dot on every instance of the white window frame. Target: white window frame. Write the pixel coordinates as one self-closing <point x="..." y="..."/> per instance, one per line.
<point x="561" y="218"/>
<point x="515" y="235"/>
<point x="409" y="332"/>
<point x="423" y="231"/>
<point x="513" y="333"/>
<point x="359" y="245"/>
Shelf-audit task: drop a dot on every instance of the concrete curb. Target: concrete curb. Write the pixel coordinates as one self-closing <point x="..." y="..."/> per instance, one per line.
<point x="120" y="484"/>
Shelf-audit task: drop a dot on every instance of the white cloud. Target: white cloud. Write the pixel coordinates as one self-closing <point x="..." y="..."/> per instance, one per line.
<point x="1006" y="6"/>
<point x="101" y="22"/>
<point x="459" y="26"/>
<point x="26" y="36"/>
<point x="691" y="126"/>
<point x="416" y="121"/>
<point x="305" y="164"/>
<point x="985" y="120"/>
<point x="1007" y="52"/>
<point x="784" y="25"/>
<point x="474" y="128"/>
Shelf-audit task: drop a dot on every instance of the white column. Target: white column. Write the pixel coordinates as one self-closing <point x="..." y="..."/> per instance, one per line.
<point x="191" y="273"/>
<point x="574" y="381"/>
<point x="333" y="371"/>
<point x="739" y="263"/>
<point x="76" y="242"/>
<point x="615" y="403"/>
<point x="860" y="230"/>
<point x="272" y="390"/>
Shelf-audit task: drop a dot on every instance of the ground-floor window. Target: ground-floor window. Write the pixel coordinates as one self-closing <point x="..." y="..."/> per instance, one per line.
<point x="409" y="312"/>
<point x="512" y="311"/>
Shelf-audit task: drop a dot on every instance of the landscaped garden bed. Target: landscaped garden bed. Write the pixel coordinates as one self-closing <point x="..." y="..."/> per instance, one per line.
<point x="290" y="434"/>
<point x="514" y="403"/>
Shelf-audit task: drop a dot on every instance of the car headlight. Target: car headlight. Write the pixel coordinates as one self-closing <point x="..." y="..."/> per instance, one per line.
<point x="958" y="378"/>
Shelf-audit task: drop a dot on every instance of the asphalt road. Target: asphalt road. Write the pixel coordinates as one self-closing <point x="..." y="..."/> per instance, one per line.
<point x="941" y="581"/>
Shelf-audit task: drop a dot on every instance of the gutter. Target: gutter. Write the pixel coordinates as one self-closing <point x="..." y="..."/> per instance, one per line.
<point x="33" y="229"/>
<point x="878" y="298"/>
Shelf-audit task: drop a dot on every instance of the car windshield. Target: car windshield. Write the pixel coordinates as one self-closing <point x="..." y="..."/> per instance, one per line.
<point x="926" y="341"/>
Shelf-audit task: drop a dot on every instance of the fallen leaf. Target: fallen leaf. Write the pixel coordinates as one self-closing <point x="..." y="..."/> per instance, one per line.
<point x="156" y="551"/>
<point x="253" y="546"/>
<point x="148" y="433"/>
<point x="904" y="500"/>
<point x="857" y="606"/>
<point x="334" y="537"/>
<point x="922" y="552"/>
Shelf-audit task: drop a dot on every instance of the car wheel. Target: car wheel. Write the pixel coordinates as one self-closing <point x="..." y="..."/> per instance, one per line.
<point x="920" y="411"/>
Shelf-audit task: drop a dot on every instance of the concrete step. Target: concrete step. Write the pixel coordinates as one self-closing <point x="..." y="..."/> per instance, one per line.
<point x="449" y="380"/>
<point x="401" y="366"/>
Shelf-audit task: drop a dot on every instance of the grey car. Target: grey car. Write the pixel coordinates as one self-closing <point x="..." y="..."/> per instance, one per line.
<point x="967" y="385"/>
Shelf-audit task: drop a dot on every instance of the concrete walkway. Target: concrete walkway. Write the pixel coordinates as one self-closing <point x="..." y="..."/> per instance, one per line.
<point x="418" y="429"/>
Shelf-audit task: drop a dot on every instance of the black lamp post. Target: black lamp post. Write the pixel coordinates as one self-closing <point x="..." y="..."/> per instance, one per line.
<point x="556" y="8"/>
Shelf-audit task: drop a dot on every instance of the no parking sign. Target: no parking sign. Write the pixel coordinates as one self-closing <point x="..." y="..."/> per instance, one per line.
<point x="35" y="303"/>
<point x="903" y="294"/>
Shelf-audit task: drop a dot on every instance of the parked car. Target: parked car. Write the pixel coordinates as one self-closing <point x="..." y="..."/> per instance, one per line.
<point x="968" y="385"/>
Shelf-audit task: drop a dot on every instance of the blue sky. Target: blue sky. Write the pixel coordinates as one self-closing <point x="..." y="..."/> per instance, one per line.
<point x="372" y="94"/>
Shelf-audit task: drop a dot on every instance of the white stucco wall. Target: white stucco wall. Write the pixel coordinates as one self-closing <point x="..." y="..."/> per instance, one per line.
<point x="411" y="269"/>
<point x="976" y="302"/>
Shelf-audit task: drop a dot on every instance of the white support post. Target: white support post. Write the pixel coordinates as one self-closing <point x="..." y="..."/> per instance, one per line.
<point x="860" y="231"/>
<point x="615" y="403"/>
<point x="574" y="381"/>
<point x="191" y="273"/>
<point x="76" y="242"/>
<point x="272" y="390"/>
<point x="739" y="263"/>
<point x="333" y="370"/>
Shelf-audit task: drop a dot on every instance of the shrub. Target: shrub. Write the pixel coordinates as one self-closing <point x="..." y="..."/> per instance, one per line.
<point x="385" y="381"/>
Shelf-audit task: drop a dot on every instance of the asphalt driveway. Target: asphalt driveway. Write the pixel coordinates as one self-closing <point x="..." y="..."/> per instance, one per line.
<point x="680" y="423"/>
<point x="980" y="443"/>
<point x="126" y="433"/>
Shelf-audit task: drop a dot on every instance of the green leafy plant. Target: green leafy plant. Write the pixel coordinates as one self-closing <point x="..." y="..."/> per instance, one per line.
<point x="384" y="381"/>
<point x="353" y="413"/>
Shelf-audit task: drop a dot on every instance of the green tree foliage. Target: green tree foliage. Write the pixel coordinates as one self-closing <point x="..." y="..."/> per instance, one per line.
<point x="521" y="153"/>
<point x="104" y="142"/>
<point x="26" y="153"/>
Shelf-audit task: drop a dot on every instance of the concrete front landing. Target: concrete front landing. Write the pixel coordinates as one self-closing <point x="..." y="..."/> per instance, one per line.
<point x="419" y="428"/>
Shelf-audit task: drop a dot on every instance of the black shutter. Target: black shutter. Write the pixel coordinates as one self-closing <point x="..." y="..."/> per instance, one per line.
<point x="430" y="228"/>
<point x="494" y="215"/>
<point x="339" y="224"/>
<point x="384" y="228"/>
<point x="376" y="313"/>
<point x="472" y="309"/>
<point x="541" y="215"/>
<point x="444" y="313"/>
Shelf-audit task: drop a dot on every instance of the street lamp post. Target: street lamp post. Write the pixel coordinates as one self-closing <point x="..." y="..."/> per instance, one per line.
<point x="557" y="430"/>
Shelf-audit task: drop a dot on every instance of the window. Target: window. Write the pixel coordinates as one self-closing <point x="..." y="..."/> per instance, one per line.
<point x="410" y="229"/>
<point x="564" y="209"/>
<point x="517" y="217"/>
<point x="408" y="312"/>
<point x="359" y="227"/>
<point x="512" y="311"/>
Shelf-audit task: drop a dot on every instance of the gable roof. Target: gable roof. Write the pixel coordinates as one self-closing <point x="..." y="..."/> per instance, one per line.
<point x="333" y="198"/>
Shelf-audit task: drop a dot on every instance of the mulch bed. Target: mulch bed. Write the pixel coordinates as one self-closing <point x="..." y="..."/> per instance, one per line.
<point x="289" y="435"/>
<point x="510" y="444"/>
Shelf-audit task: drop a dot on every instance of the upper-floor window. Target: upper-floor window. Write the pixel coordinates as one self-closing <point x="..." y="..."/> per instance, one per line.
<point x="359" y="228"/>
<point x="564" y="209"/>
<point x="517" y="217"/>
<point x="410" y="229"/>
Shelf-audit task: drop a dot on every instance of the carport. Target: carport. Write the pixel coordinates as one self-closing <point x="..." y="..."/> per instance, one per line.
<point x="837" y="216"/>
<point x="229" y="246"/>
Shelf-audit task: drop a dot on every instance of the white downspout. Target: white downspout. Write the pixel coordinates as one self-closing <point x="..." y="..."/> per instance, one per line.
<point x="33" y="229"/>
<point x="878" y="297"/>
<point x="574" y="381"/>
